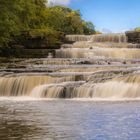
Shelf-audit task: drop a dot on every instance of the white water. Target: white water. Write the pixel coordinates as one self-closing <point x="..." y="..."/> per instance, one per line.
<point x="71" y="80"/>
<point x="100" y="53"/>
<point x="126" y="87"/>
<point x="118" y="38"/>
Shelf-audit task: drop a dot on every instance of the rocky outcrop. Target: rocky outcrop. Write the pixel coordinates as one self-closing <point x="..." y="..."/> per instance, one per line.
<point x="133" y="36"/>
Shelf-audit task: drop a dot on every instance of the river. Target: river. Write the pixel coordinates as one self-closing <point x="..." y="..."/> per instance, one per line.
<point x="90" y="90"/>
<point x="68" y="120"/>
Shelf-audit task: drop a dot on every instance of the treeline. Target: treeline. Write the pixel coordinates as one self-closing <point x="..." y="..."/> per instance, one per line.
<point x="32" y="24"/>
<point x="137" y="29"/>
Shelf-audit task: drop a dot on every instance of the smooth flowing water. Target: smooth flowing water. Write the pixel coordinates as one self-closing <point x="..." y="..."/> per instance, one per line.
<point x="68" y="120"/>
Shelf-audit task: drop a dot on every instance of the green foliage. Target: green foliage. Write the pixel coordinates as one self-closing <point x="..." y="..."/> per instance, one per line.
<point x="9" y="22"/>
<point x="18" y="15"/>
<point x="41" y="38"/>
<point x="68" y="21"/>
<point x="137" y="29"/>
<point x="30" y="23"/>
<point x="89" y="28"/>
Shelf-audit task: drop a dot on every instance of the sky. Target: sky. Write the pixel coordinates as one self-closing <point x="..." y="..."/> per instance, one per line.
<point x="107" y="15"/>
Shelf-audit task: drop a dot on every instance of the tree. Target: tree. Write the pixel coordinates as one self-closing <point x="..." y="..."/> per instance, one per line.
<point x="9" y="21"/>
<point x="89" y="28"/>
<point x="137" y="29"/>
<point x="19" y="15"/>
<point x="73" y="23"/>
<point x="20" y="19"/>
<point x="69" y="21"/>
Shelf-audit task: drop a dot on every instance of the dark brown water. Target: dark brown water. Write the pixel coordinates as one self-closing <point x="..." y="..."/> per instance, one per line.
<point x="68" y="120"/>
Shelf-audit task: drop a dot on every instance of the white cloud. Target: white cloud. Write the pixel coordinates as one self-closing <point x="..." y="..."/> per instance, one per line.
<point x="58" y="2"/>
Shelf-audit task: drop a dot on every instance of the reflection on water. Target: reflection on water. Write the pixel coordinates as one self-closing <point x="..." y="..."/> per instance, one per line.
<point x="15" y="130"/>
<point x="13" y="127"/>
<point x="69" y="120"/>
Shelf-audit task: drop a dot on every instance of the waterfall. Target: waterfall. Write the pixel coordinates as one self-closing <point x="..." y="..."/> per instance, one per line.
<point x="63" y="90"/>
<point x="97" y="67"/>
<point x="116" y="53"/>
<point x="99" y="46"/>
<point x="44" y="87"/>
<point x="23" y="85"/>
<point x="118" y="88"/>
<point x="50" y="87"/>
<point x="92" y="45"/>
<point x="74" y="38"/>
<point x="117" y="38"/>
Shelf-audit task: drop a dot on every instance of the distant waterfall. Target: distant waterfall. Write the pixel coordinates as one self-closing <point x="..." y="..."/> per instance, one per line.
<point x="74" y="38"/>
<point x="122" y="53"/>
<point x="99" y="46"/>
<point x="117" y="38"/>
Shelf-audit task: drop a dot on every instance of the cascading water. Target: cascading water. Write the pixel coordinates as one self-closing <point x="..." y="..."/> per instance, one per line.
<point x="23" y="85"/>
<point x="48" y="87"/>
<point x="77" y="38"/>
<point x="99" y="46"/>
<point x="63" y="90"/>
<point x="117" y="53"/>
<point x="117" y="88"/>
<point x="117" y="38"/>
<point x="126" y="87"/>
<point x="97" y="66"/>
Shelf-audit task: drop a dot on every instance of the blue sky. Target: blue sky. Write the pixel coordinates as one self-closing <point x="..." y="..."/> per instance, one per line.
<point x="108" y="15"/>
